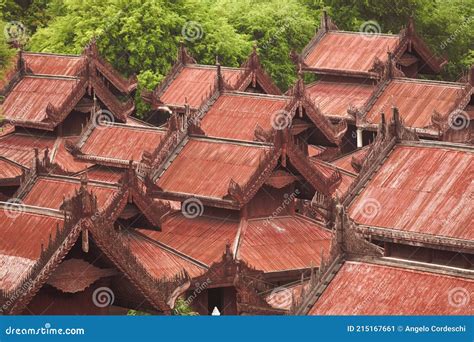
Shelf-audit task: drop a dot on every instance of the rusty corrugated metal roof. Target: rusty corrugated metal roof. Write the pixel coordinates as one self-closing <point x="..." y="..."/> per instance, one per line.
<point x="283" y="243"/>
<point x="50" y="192"/>
<point x="422" y="189"/>
<point x="31" y="95"/>
<point x="103" y="174"/>
<point x="196" y="83"/>
<point x="9" y="169"/>
<point x="19" y="147"/>
<point x="122" y="142"/>
<point x="350" y="51"/>
<point x="236" y="115"/>
<point x="159" y="262"/>
<point x="368" y="289"/>
<point x="345" y="162"/>
<point x="202" y="238"/>
<point x="53" y="64"/>
<point x="64" y="159"/>
<point x="416" y="100"/>
<point x="204" y="167"/>
<point x="327" y="170"/>
<point x="335" y="98"/>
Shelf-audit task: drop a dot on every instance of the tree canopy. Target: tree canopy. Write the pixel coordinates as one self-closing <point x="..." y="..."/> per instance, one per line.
<point x="142" y="36"/>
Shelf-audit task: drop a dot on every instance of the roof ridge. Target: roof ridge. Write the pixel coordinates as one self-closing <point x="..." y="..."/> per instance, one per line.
<point x="30" y="209"/>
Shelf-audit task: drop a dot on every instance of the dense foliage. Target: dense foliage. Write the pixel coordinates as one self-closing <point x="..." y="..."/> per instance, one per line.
<point x="141" y="36"/>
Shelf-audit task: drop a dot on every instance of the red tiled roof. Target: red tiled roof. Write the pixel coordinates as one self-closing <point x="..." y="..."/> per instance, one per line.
<point x="205" y="167"/>
<point x="283" y="243"/>
<point x="20" y="147"/>
<point x="50" y="192"/>
<point x="421" y="189"/>
<point x="122" y="142"/>
<point x="196" y="83"/>
<point x="49" y="64"/>
<point x="236" y="115"/>
<point x="368" y="289"/>
<point x="335" y="98"/>
<point x="349" y="51"/>
<point x="159" y="262"/>
<point x="416" y="100"/>
<point x="29" y="98"/>
<point x="202" y="238"/>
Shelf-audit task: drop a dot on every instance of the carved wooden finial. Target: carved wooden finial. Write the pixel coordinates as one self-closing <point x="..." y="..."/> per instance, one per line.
<point x="220" y="79"/>
<point x="183" y="56"/>
<point x="324" y="21"/>
<point x="471" y="76"/>
<point x="410" y="27"/>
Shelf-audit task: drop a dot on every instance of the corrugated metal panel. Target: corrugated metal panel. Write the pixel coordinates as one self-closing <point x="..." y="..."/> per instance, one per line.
<point x="29" y="98"/>
<point x="104" y="174"/>
<point x="48" y="64"/>
<point x="202" y="238"/>
<point x="345" y="162"/>
<point x="65" y="160"/>
<point x="196" y="83"/>
<point x="347" y="51"/>
<point x="122" y="142"/>
<point x="334" y="98"/>
<point x="283" y="243"/>
<point x="23" y="234"/>
<point x="416" y="101"/>
<point x="235" y="116"/>
<point x="327" y="170"/>
<point x="205" y="167"/>
<point x="368" y="289"/>
<point x="20" y="147"/>
<point x="9" y="169"/>
<point x="159" y="262"/>
<point x="421" y="189"/>
<point x="50" y="192"/>
<point x="13" y="270"/>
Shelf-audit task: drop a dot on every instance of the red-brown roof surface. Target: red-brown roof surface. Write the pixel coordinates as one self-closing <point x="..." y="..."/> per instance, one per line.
<point x="345" y="162"/>
<point x="416" y="100"/>
<point x="104" y="174"/>
<point x="20" y="147"/>
<point x="335" y="98"/>
<point x="196" y="83"/>
<point x="327" y="170"/>
<point x="122" y="142"/>
<point x="8" y="169"/>
<point x="368" y="289"/>
<point x="50" y="192"/>
<point x="236" y="115"/>
<point x="64" y="159"/>
<point x="421" y="189"/>
<point x="29" y="98"/>
<point x="49" y="64"/>
<point x="283" y="243"/>
<point x="159" y="262"/>
<point x="349" y="51"/>
<point x="202" y="238"/>
<point x="205" y="167"/>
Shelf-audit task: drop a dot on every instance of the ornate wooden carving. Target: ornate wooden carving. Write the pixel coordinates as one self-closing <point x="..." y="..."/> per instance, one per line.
<point x="263" y="135"/>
